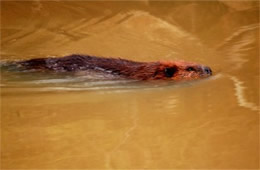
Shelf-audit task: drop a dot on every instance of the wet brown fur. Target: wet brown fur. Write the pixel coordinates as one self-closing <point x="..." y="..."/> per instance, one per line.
<point x="161" y="70"/>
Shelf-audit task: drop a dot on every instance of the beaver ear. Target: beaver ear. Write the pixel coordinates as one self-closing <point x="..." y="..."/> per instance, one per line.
<point x="170" y="71"/>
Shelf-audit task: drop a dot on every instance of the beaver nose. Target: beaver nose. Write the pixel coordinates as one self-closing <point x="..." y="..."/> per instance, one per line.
<point x="207" y="70"/>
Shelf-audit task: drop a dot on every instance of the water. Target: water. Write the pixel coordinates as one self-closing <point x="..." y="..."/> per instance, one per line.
<point x="77" y="122"/>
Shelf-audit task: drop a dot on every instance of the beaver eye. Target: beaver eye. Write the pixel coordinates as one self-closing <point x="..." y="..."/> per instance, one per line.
<point x="169" y="72"/>
<point x="190" y="69"/>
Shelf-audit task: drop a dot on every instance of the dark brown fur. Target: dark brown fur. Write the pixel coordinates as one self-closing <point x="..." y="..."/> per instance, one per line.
<point x="168" y="70"/>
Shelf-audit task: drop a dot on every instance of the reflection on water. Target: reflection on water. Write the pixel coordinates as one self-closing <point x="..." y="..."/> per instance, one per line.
<point x="240" y="95"/>
<point x="52" y="121"/>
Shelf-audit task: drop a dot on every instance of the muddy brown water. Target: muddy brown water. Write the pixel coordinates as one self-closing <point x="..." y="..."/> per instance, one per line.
<point x="52" y="122"/>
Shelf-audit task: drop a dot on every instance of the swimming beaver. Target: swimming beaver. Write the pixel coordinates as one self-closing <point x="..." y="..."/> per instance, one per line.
<point x="161" y="70"/>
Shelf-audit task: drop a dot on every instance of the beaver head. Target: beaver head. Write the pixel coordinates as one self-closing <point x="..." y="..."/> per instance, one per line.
<point x="170" y="70"/>
<point x="180" y="70"/>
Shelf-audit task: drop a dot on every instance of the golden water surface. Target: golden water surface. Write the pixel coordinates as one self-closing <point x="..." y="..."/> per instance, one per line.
<point x="209" y="124"/>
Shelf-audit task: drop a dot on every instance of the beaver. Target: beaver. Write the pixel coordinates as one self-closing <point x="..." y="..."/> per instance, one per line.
<point x="160" y="70"/>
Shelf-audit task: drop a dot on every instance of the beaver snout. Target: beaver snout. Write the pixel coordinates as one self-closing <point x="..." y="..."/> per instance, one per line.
<point x="207" y="70"/>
